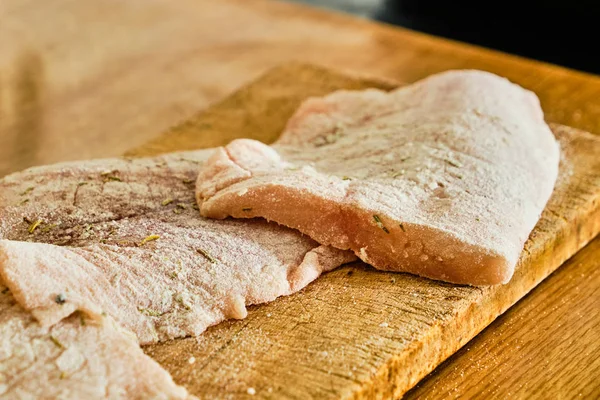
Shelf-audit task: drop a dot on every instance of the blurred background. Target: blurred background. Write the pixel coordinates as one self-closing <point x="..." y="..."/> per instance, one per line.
<point x="559" y="32"/>
<point x="95" y="78"/>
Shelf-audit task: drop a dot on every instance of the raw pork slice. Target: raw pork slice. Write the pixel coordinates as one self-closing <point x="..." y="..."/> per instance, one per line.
<point x="75" y="359"/>
<point x="444" y="178"/>
<point x="124" y="237"/>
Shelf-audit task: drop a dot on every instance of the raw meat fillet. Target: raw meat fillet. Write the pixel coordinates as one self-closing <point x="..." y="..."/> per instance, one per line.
<point x="444" y="178"/>
<point x="124" y="237"/>
<point x="75" y="359"/>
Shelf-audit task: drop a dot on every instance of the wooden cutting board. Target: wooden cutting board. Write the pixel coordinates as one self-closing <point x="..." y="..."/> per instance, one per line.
<point x="357" y="332"/>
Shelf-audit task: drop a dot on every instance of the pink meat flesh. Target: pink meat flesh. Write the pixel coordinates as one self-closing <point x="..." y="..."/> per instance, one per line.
<point x="75" y="359"/>
<point x="444" y="178"/>
<point x="124" y="237"/>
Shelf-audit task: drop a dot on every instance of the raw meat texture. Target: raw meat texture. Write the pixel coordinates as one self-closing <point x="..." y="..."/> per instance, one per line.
<point x="444" y="178"/>
<point x="75" y="359"/>
<point x="124" y="237"/>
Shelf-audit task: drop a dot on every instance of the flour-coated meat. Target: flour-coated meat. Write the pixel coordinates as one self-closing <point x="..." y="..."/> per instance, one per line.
<point x="124" y="237"/>
<point x="75" y="359"/>
<point x="444" y="178"/>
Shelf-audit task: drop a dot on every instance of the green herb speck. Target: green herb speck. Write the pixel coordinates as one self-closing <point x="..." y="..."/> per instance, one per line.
<point x="34" y="226"/>
<point x="149" y="239"/>
<point x="60" y="298"/>
<point x="48" y="228"/>
<point x="453" y="163"/>
<point x="380" y="224"/>
<point x="27" y="191"/>
<point x="179" y="299"/>
<point x="56" y="342"/>
<point x="206" y="255"/>
<point x="148" y="312"/>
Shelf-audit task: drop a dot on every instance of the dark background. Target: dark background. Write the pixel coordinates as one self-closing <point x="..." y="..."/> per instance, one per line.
<point x="560" y="32"/>
<point x="566" y="33"/>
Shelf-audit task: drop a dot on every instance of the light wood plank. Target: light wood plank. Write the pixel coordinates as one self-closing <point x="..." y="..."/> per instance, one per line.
<point x="545" y="347"/>
<point x="328" y="341"/>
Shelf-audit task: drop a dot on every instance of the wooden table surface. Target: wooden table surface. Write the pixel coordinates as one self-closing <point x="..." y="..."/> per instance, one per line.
<point x="95" y="78"/>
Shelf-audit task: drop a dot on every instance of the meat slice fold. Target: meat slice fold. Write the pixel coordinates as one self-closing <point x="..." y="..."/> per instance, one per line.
<point x="444" y="178"/>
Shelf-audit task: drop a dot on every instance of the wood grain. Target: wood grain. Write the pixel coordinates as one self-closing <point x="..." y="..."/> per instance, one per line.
<point x="83" y="79"/>
<point x="359" y="333"/>
<point x="552" y="354"/>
